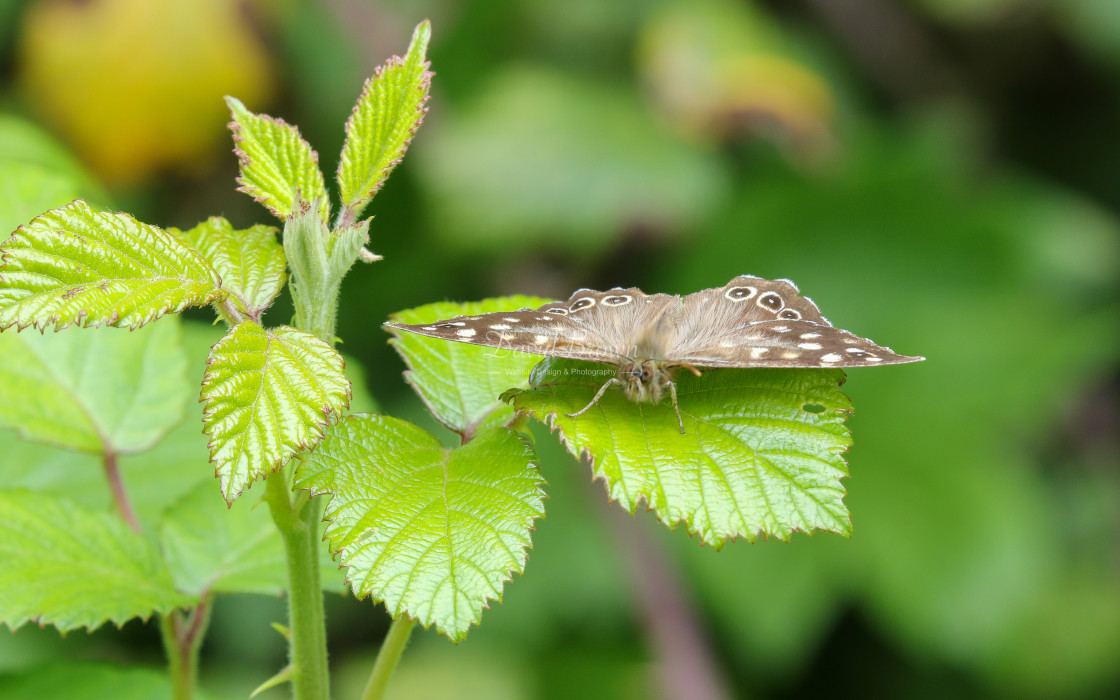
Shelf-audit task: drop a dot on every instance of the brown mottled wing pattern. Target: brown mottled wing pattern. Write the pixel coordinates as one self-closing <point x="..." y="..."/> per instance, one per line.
<point x="590" y="325"/>
<point x="754" y="322"/>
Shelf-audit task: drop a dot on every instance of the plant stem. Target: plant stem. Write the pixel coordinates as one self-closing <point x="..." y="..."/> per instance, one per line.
<point x="387" y="657"/>
<point x="116" y="485"/>
<point x="306" y="621"/>
<point x="182" y="640"/>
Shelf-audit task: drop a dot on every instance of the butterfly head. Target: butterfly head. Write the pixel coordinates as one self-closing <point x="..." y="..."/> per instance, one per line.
<point x="644" y="380"/>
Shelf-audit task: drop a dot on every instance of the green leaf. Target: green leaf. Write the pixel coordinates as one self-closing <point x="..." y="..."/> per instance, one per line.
<point x="94" y="390"/>
<point x="71" y="567"/>
<point x="757" y="456"/>
<point x="268" y="394"/>
<point x="433" y="532"/>
<point x="278" y="168"/>
<point x="387" y="115"/>
<point x="210" y="546"/>
<point x="86" y="681"/>
<point x="461" y="383"/>
<point x="251" y="261"/>
<point x="75" y="265"/>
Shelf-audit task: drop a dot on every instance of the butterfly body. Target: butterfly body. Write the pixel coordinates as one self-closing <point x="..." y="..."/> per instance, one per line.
<point x="749" y="322"/>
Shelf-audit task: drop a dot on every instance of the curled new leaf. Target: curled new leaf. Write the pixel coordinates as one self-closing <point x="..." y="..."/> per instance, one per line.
<point x="76" y="265"/>
<point x="761" y="452"/>
<point x="431" y="531"/>
<point x="278" y="168"/>
<point x="388" y="113"/>
<point x="268" y="394"/>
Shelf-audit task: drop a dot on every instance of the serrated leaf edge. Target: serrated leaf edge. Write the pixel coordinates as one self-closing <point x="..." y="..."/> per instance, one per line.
<point x="245" y="161"/>
<point x="424" y="87"/>
<point x="586" y="455"/>
<point x="507" y="575"/>
<point x="83" y="320"/>
<point x="319" y="427"/>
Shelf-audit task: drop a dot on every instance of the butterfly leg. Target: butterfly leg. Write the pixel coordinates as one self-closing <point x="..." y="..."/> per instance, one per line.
<point x="673" y="394"/>
<point x="612" y="380"/>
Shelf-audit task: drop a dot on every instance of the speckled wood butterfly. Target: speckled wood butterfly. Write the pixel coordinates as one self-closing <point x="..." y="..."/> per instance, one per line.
<point x="749" y="322"/>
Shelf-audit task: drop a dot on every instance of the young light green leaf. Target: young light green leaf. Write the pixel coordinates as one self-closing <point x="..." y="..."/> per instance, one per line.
<point x="433" y="532"/>
<point x="761" y="453"/>
<point x="278" y="168"/>
<point x="387" y="115"/>
<point x="71" y="567"/>
<point x="251" y="262"/>
<point x="75" y="265"/>
<point x="460" y="383"/>
<point x="268" y="394"/>
<point x="94" y="390"/>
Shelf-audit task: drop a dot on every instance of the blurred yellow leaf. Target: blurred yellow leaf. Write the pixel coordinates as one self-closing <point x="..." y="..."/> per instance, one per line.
<point x="137" y="85"/>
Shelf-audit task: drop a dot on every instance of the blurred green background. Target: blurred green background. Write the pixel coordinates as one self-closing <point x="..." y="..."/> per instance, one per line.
<point x="942" y="176"/>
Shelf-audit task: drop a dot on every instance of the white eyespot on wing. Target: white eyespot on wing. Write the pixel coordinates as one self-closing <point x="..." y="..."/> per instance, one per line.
<point x="790" y="314"/>
<point x="581" y="304"/>
<point x="790" y="355"/>
<point x="429" y="328"/>
<point x="872" y="358"/>
<point x="757" y="353"/>
<point x="809" y="346"/>
<point x="500" y="326"/>
<point x="831" y="357"/>
<point x="737" y="294"/>
<point x="546" y="317"/>
<point x="771" y="300"/>
<point x="506" y="336"/>
<point x="540" y="339"/>
<point x="617" y="300"/>
<point x="850" y="340"/>
<point x="780" y="329"/>
<point x="466" y="332"/>
<point x="511" y="319"/>
<point x="557" y="310"/>
<point x="810" y="336"/>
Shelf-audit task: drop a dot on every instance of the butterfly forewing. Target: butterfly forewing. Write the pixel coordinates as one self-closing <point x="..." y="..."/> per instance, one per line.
<point x="749" y="322"/>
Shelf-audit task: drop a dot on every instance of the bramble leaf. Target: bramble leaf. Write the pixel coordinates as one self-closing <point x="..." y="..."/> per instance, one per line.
<point x="76" y="265"/>
<point x="387" y="115"/>
<point x="761" y="453"/>
<point x="460" y="383"/>
<point x="431" y="531"/>
<point x="268" y="394"/>
<point x="94" y="390"/>
<point x="278" y="168"/>
<point x="71" y="567"/>
<point x="84" y="680"/>
<point x="251" y="261"/>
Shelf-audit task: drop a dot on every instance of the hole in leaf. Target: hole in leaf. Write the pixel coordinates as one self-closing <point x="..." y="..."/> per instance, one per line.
<point x="813" y="407"/>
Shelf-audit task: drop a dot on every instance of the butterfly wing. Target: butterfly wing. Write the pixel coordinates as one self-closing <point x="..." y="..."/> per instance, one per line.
<point x="590" y="325"/>
<point x="754" y="322"/>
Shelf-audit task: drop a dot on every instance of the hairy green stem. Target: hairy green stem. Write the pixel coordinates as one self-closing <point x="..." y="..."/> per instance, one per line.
<point x="182" y="639"/>
<point x="387" y="658"/>
<point x="306" y="620"/>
